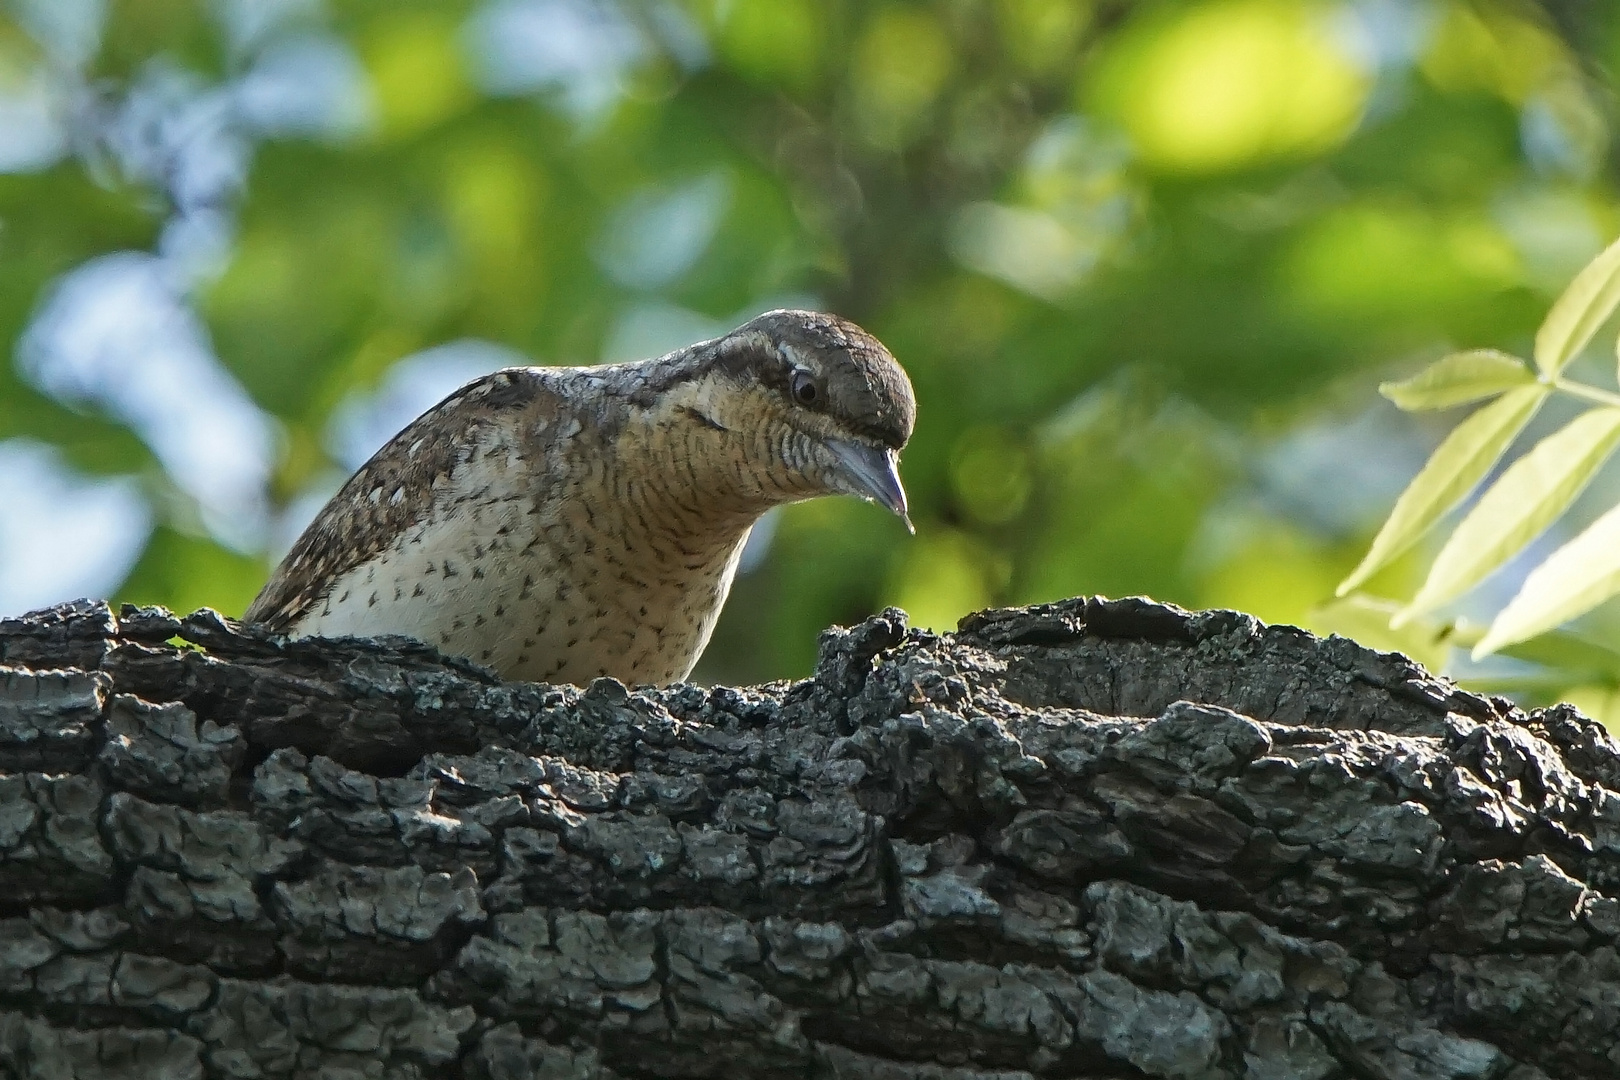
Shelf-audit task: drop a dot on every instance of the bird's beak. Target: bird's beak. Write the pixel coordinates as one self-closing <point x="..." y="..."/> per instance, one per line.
<point x="871" y="472"/>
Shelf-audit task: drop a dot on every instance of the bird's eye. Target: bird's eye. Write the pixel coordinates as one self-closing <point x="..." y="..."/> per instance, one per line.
<point x="805" y="390"/>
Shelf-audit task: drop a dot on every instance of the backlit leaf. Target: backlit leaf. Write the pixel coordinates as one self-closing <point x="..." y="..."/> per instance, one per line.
<point x="1574" y="579"/>
<point x="1457" y="464"/>
<point x="1529" y="497"/>
<point x="1569" y="657"/>
<point x="1458" y="379"/>
<point x="1577" y="314"/>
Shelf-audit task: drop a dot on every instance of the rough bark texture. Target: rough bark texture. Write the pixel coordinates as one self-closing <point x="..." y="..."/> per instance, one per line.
<point x="1093" y="839"/>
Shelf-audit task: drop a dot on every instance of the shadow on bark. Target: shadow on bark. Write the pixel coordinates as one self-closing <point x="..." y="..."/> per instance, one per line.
<point x="1089" y="839"/>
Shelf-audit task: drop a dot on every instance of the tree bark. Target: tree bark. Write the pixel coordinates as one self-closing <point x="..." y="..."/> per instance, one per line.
<point x="1089" y="839"/>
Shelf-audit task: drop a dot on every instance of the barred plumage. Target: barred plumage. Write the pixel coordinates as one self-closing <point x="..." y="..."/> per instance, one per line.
<point x="563" y="523"/>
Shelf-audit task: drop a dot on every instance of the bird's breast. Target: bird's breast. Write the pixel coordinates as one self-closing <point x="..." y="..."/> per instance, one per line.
<point x="545" y="591"/>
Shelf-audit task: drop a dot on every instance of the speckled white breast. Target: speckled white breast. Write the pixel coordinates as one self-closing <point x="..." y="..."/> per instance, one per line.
<point x="535" y="593"/>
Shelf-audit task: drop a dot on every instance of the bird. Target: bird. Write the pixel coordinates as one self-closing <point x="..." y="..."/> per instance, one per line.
<point x="561" y="524"/>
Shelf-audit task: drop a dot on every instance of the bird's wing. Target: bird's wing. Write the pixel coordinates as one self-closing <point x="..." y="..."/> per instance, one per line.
<point x="396" y="488"/>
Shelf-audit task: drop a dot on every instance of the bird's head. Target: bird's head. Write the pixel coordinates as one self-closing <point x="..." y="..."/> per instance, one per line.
<point x="813" y="404"/>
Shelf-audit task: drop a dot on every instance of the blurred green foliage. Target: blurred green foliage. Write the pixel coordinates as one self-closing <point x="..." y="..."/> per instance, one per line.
<point x="1134" y="256"/>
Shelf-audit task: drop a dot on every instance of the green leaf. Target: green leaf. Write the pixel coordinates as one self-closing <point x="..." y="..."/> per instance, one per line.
<point x="1574" y="579"/>
<point x="1570" y="658"/>
<point x="1528" y="688"/>
<point x="1458" y="379"/>
<point x="1457" y="464"/>
<point x="1565" y="659"/>
<point x="1529" y="497"/>
<point x="1576" y="315"/>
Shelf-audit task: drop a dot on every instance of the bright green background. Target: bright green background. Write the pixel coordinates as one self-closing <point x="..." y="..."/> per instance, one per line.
<point x="1139" y="259"/>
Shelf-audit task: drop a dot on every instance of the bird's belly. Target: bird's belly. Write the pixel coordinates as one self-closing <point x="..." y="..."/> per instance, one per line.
<point x="528" y="606"/>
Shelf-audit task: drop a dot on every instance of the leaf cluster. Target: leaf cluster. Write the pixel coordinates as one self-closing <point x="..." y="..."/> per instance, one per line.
<point x="1531" y="494"/>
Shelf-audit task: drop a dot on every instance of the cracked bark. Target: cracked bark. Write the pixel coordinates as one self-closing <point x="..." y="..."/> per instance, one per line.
<point x="1090" y="839"/>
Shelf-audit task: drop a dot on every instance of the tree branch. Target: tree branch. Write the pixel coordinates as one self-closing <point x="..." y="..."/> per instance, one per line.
<point x="1090" y="839"/>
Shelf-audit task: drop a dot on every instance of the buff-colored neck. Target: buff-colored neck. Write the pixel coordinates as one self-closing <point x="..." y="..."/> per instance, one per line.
<point x="699" y="487"/>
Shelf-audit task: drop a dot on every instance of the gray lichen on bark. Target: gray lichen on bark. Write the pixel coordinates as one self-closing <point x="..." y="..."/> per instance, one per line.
<point x="1089" y="839"/>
